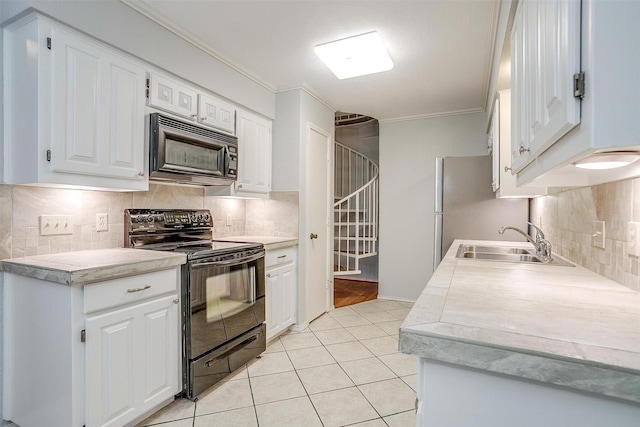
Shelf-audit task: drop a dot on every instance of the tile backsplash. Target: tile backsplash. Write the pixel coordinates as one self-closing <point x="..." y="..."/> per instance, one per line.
<point x="567" y="217"/>
<point x="21" y="207"/>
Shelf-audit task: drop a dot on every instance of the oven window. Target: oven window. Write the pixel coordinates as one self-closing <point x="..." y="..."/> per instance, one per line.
<point x="225" y="302"/>
<point x="229" y="291"/>
<point x="178" y="153"/>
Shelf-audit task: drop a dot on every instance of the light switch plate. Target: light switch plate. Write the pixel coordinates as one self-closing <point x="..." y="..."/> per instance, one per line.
<point x="53" y="225"/>
<point x="633" y="229"/>
<point x="597" y="240"/>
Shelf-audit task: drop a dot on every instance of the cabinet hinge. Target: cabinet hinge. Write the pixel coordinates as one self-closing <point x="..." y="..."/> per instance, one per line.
<point x="578" y="85"/>
<point x="83" y="335"/>
<point x="147" y="88"/>
<point x="48" y="155"/>
<point x="49" y="43"/>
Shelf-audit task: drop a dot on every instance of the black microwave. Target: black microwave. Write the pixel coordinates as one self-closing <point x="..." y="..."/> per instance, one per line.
<point x="186" y="153"/>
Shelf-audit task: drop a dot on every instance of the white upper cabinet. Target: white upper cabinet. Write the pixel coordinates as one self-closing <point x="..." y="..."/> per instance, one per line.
<point x="500" y="134"/>
<point x="546" y="56"/>
<point x="254" y="153"/>
<point x="216" y="113"/>
<point x="172" y="95"/>
<point x="494" y="145"/>
<point x="74" y="110"/>
<point x="575" y="88"/>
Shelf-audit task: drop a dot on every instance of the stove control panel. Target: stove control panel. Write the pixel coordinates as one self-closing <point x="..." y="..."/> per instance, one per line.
<point x="168" y="219"/>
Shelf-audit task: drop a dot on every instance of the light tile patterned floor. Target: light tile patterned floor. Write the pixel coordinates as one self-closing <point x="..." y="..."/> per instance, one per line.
<point x="344" y="370"/>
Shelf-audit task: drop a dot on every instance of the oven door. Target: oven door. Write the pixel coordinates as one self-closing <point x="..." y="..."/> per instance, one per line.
<point x="226" y="300"/>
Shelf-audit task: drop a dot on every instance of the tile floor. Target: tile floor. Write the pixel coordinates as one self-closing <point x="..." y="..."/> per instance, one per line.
<point x="344" y="370"/>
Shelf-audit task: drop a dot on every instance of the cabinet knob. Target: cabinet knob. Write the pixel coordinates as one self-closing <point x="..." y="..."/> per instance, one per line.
<point x="140" y="173"/>
<point x="176" y="301"/>
<point x="507" y="168"/>
<point x="202" y="119"/>
<point x="239" y="185"/>
<point x="193" y="116"/>
<point x="269" y="275"/>
<point x="523" y="150"/>
<point x="313" y="236"/>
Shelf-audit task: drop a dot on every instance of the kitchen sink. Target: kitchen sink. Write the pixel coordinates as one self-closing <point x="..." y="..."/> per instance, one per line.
<point x="495" y="250"/>
<point x="505" y="254"/>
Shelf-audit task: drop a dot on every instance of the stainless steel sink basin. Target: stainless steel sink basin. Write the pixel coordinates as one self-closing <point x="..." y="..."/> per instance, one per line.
<point x="505" y="254"/>
<point x="495" y="250"/>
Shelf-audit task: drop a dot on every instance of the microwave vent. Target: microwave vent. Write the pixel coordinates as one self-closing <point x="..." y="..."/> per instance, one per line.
<point x="194" y="129"/>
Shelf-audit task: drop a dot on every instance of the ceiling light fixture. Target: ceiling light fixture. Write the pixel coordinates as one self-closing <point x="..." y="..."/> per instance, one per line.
<point x="355" y="56"/>
<point x="599" y="161"/>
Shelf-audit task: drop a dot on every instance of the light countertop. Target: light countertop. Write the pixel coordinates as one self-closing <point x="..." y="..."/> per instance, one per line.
<point x="560" y="325"/>
<point x="82" y="267"/>
<point x="269" y="242"/>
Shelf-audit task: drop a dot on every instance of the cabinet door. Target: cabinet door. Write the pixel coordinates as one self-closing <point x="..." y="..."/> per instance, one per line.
<point x="97" y="110"/>
<point x="520" y="153"/>
<point x="545" y="58"/>
<point x="215" y="113"/>
<point x="170" y="95"/>
<point x="124" y="136"/>
<point x="132" y="361"/>
<point x="280" y="296"/>
<point x="254" y="153"/>
<point x="494" y="145"/>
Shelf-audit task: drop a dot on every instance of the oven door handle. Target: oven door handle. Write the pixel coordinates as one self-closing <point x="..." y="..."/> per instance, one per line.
<point x="196" y="264"/>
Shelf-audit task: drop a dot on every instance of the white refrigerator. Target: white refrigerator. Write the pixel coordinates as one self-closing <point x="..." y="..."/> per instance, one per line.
<point x="467" y="208"/>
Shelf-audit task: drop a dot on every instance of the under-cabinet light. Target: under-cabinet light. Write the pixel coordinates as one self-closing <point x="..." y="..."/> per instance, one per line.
<point x="355" y="56"/>
<point x="599" y="161"/>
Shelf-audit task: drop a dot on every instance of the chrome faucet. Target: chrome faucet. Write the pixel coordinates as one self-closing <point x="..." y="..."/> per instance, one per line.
<point x="542" y="245"/>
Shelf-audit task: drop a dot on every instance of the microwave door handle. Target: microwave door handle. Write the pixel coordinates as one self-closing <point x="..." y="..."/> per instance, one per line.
<point x="227" y="160"/>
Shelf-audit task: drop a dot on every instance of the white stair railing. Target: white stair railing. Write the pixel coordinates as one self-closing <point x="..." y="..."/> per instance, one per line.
<point x="356" y="211"/>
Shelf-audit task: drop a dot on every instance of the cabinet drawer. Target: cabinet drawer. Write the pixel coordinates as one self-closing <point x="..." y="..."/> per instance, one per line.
<point x="112" y="293"/>
<point x="279" y="256"/>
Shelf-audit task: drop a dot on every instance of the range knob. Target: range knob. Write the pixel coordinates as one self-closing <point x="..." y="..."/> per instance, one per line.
<point x="193" y="217"/>
<point x="206" y="217"/>
<point x="200" y="218"/>
<point x="150" y="219"/>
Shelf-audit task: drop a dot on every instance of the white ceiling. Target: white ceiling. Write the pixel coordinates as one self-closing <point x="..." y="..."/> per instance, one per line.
<point x="442" y="49"/>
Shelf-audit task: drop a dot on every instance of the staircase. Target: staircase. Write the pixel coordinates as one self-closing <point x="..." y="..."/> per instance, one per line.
<point x="355" y="211"/>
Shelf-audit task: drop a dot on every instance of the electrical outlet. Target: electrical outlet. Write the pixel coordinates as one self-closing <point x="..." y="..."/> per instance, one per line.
<point x="598" y="236"/>
<point x="228" y="220"/>
<point x="634" y="238"/>
<point x="53" y="225"/>
<point x="102" y="222"/>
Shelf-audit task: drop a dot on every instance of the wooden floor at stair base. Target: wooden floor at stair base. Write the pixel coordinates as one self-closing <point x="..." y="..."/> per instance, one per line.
<point x="347" y="292"/>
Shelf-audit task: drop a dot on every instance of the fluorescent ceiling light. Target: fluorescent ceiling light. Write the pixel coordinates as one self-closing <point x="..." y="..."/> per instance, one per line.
<point x="355" y="56"/>
<point x="608" y="160"/>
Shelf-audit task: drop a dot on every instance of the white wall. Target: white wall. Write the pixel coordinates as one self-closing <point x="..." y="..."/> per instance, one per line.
<point x="294" y="110"/>
<point x="407" y="163"/>
<point x="116" y="23"/>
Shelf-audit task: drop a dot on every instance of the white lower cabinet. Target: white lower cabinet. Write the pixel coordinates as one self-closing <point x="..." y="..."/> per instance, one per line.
<point x="132" y="360"/>
<point x="102" y="354"/>
<point x="453" y="395"/>
<point x="281" y="284"/>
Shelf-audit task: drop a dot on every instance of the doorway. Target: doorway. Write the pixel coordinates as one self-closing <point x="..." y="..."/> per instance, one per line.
<point x="355" y="213"/>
